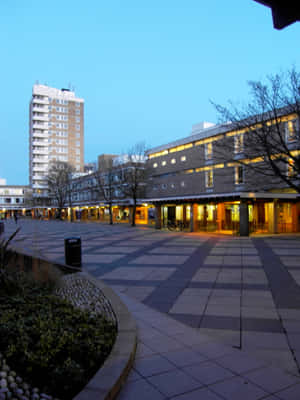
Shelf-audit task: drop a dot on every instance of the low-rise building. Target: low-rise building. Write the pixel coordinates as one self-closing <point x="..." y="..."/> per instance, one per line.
<point x="195" y="184"/>
<point x="14" y="199"/>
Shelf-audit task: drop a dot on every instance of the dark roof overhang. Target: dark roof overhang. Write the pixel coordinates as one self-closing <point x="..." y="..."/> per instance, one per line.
<point x="284" y="12"/>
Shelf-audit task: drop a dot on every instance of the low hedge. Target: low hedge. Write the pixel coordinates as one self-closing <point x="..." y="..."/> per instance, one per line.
<point x="51" y="344"/>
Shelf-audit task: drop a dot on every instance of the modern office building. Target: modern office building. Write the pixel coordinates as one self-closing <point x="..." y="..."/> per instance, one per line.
<point x="56" y="123"/>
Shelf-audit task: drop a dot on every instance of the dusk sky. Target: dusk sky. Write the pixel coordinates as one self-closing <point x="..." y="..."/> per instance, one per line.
<point x="146" y="69"/>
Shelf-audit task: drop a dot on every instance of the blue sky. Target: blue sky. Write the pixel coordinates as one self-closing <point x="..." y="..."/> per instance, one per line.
<point x="146" y="69"/>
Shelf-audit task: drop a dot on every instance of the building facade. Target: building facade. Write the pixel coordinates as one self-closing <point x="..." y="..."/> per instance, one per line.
<point x="95" y="195"/>
<point x="192" y="183"/>
<point x="56" y="133"/>
<point x="14" y="199"/>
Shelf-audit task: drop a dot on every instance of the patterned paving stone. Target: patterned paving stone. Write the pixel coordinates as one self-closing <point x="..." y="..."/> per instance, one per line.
<point x="174" y="383"/>
<point x="271" y="380"/>
<point x="160" y="260"/>
<point x="238" y="388"/>
<point x="208" y="372"/>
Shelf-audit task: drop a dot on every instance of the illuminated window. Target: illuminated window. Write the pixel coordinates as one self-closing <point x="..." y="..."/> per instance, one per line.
<point x="239" y="175"/>
<point x="208" y="151"/>
<point x="291" y="128"/>
<point x="238" y="143"/>
<point x="183" y="158"/>
<point x="164" y="163"/>
<point x="173" y="161"/>
<point x="155" y="165"/>
<point x="291" y="170"/>
<point x="209" y="179"/>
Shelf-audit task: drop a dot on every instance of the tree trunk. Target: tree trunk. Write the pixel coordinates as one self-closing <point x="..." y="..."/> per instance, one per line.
<point x="71" y="210"/>
<point x="133" y="213"/>
<point x="110" y="215"/>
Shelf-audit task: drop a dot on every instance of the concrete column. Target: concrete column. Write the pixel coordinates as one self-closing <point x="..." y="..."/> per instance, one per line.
<point x="220" y="215"/>
<point x="295" y="227"/>
<point x="193" y="220"/>
<point x="244" y="218"/>
<point x="184" y="213"/>
<point x="158" y="216"/>
<point x="272" y="217"/>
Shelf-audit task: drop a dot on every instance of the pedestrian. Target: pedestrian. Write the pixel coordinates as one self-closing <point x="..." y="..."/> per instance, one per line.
<point x="16" y="218"/>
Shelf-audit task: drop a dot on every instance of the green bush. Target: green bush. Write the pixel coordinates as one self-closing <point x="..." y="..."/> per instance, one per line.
<point x="49" y="343"/>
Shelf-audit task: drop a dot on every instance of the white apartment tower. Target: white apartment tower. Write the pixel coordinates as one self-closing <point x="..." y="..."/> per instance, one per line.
<point x="56" y="133"/>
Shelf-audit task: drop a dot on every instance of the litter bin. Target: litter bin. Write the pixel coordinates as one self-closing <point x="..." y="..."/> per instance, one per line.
<point x="73" y="251"/>
<point x="1" y="227"/>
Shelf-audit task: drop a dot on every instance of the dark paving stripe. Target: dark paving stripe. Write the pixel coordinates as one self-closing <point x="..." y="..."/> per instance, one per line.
<point x="262" y="325"/>
<point x="162" y="306"/>
<point x="285" y="291"/>
<point x="220" y="322"/>
<point x="229" y="286"/>
<point x="130" y="282"/>
<point x="201" y="285"/>
<point x="255" y="286"/>
<point x="188" y="319"/>
<point x="249" y="324"/>
<point x="182" y="277"/>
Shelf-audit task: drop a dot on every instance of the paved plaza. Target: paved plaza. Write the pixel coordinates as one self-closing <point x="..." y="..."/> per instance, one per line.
<point x="242" y="293"/>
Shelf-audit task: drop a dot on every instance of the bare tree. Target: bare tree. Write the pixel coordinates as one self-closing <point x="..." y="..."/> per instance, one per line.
<point x="133" y="176"/>
<point x="105" y="182"/>
<point x="267" y="130"/>
<point x="59" y="184"/>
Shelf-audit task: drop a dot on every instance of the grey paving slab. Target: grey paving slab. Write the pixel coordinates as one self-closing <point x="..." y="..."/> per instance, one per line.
<point x="238" y="388"/>
<point x="290" y="261"/>
<point x="229" y="337"/>
<point x="203" y="393"/>
<point x="174" y="383"/>
<point x="294" y="341"/>
<point x="183" y="357"/>
<point x="240" y="363"/>
<point x="182" y="306"/>
<point x="223" y="310"/>
<point x="291" y="326"/>
<point x="208" y="372"/>
<point x="153" y="365"/>
<point x="291" y="393"/>
<point x="271" y="380"/>
<point x="140" y="389"/>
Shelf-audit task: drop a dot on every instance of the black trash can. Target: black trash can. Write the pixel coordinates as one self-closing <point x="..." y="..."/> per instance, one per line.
<point x="73" y="251"/>
<point x="1" y="227"/>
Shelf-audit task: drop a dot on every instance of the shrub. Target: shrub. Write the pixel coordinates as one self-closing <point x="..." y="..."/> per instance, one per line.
<point x="51" y="344"/>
